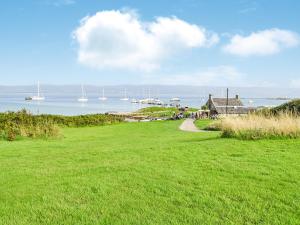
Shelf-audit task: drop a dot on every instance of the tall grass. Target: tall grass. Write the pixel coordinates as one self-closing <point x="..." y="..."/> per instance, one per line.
<point x="260" y="126"/>
<point x="23" y="124"/>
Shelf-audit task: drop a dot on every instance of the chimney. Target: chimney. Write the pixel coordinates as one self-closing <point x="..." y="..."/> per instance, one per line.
<point x="209" y="101"/>
<point x="237" y="97"/>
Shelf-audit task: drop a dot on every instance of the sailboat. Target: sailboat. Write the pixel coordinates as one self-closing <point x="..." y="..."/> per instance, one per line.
<point x="83" y="97"/>
<point x="103" y="98"/>
<point x="148" y="100"/>
<point x="125" y="96"/>
<point x="38" y="97"/>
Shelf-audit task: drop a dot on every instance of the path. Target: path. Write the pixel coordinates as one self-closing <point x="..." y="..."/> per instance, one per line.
<point x="188" y="125"/>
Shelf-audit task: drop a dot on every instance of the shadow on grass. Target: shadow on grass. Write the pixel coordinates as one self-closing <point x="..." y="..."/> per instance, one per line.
<point x="201" y="139"/>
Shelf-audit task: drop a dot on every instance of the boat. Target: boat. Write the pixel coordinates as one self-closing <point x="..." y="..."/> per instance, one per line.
<point x="151" y="101"/>
<point x="175" y="100"/>
<point x="147" y="101"/>
<point x="125" y="96"/>
<point x="28" y="98"/>
<point x="37" y="97"/>
<point x="103" y="98"/>
<point x="158" y="102"/>
<point x="134" y="101"/>
<point x="83" y="97"/>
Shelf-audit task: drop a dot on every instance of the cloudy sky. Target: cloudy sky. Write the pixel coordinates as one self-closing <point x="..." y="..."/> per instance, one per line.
<point x="190" y="42"/>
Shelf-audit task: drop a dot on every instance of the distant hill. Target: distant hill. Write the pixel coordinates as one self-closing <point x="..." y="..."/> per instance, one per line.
<point x="291" y="106"/>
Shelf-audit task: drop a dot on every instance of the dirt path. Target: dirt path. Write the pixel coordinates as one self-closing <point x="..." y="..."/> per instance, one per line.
<point x="188" y="125"/>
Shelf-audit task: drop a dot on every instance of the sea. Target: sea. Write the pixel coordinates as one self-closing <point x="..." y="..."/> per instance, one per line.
<point x="63" y="99"/>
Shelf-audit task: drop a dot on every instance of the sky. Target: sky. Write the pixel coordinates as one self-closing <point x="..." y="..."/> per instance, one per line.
<point x="179" y="42"/>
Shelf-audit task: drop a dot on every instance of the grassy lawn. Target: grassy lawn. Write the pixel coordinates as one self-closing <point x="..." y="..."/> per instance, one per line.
<point x="203" y="123"/>
<point x="149" y="173"/>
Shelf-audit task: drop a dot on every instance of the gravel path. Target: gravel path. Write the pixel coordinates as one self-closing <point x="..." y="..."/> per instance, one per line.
<point x="188" y="125"/>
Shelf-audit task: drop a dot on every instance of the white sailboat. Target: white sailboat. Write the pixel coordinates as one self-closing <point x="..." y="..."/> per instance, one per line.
<point x="103" y="98"/>
<point x="125" y="96"/>
<point x="148" y="100"/>
<point x="38" y="97"/>
<point x="83" y="97"/>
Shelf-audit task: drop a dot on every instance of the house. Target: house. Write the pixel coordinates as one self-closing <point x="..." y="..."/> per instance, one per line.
<point x="226" y="106"/>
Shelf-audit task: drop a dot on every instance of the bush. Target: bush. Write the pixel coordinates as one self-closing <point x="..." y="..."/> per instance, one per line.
<point x="24" y="124"/>
<point x="204" y="107"/>
<point x="254" y="127"/>
<point x="290" y="107"/>
<point x="14" y="124"/>
<point x="82" y="120"/>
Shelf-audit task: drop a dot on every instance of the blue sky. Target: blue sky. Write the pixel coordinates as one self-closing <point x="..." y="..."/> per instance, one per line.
<point x="196" y="42"/>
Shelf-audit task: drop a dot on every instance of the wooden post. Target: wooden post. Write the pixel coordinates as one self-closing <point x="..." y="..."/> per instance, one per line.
<point x="227" y="101"/>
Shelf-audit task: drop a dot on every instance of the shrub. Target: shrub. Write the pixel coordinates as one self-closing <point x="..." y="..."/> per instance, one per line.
<point x="204" y="107"/>
<point x="24" y="124"/>
<point x="291" y="106"/>
<point x="14" y="124"/>
<point x="258" y="126"/>
<point x="82" y="120"/>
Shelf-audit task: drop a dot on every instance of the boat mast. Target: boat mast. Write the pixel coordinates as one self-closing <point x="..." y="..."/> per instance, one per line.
<point x="82" y="91"/>
<point x="38" y="89"/>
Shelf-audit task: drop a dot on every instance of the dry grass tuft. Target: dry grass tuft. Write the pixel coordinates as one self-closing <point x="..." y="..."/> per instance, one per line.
<point x="259" y="126"/>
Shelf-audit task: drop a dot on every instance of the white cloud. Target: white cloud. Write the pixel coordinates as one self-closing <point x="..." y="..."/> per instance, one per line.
<point x="215" y="76"/>
<point x="264" y="42"/>
<point x="116" y="39"/>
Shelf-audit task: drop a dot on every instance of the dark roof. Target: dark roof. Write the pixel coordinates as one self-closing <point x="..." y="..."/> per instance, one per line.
<point x="233" y="110"/>
<point x="231" y="102"/>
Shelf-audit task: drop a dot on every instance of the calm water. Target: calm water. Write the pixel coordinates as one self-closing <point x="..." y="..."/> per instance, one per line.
<point x="67" y="104"/>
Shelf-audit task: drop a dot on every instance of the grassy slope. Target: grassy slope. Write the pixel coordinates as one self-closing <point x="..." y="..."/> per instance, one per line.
<point x="149" y="173"/>
<point x="157" y="111"/>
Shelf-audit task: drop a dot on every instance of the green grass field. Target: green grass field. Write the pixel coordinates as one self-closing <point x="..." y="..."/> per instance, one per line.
<point x="149" y="173"/>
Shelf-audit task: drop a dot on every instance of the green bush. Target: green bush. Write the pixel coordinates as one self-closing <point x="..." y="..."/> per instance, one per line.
<point x="291" y="107"/>
<point x="82" y="120"/>
<point x="24" y="124"/>
<point x="14" y="124"/>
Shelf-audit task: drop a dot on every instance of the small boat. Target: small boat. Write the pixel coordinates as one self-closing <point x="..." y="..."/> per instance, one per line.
<point x="38" y="97"/>
<point x="125" y="96"/>
<point x="83" y="97"/>
<point x="134" y="101"/>
<point x="103" y="98"/>
<point x="158" y="102"/>
<point x="28" y="98"/>
<point x="175" y="100"/>
<point x="147" y="101"/>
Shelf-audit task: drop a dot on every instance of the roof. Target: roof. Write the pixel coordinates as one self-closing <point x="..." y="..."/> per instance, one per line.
<point x="223" y="102"/>
<point x="233" y="110"/>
